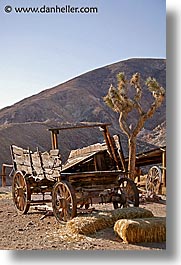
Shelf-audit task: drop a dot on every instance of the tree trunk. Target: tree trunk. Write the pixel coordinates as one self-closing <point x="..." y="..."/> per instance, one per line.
<point x="132" y="157"/>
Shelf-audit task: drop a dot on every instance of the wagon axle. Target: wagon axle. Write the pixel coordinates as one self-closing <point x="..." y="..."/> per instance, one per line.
<point x="112" y="195"/>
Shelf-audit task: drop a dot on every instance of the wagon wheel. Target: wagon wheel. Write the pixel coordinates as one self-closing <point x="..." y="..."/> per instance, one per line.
<point x="21" y="192"/>
<point x="128" y="194"/>
<point x="64" y="201"/>
<point x="153" y="180"/>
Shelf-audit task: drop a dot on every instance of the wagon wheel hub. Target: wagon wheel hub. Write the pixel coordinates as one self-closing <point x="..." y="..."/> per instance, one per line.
<point x="63" y="203"/>
<point x="20" y="191"/>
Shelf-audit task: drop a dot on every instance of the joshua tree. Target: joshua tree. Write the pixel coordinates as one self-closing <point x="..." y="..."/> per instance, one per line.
<point x="119" y="100"/>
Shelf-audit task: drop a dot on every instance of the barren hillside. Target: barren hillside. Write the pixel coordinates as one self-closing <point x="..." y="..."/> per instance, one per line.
<point x="80" y="99"/>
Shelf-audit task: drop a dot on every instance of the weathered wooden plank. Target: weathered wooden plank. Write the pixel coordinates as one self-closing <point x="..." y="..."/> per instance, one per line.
<point x="93" y="178"/>
<point x="47" y="160"/>
<point x="51" y="162"/>
<point x="80" y="126"/>
<point x="38" y="170"/>
<point x="87" y="150"/>
<point x="56" y="163"/>
<point x="19" y="159"/>
<point x="54" y="152"/>
<point x="92" y="182"/>
<point x="24" y="168"/>
<point x="94" y="188"/>
<point x="26" y="158"/>
<point x="17" y="150"/>
<point x="47" y="163"/>
<point x="36" y="162"/>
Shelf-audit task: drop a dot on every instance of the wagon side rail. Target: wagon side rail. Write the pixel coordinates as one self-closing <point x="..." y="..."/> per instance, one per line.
<point x="46" y="165"/>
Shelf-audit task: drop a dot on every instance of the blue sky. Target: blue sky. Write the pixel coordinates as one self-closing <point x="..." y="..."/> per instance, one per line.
<point x="39" y="51"/>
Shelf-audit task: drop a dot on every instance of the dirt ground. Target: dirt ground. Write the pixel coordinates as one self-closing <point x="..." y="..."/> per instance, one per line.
<point x="32" y="232"/>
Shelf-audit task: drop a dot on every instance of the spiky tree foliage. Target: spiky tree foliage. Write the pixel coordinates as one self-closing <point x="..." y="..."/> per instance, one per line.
<point x="118" y="100"/>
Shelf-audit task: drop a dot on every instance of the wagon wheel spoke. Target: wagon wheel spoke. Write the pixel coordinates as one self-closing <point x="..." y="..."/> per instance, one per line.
<point x="21" y="192"/>
<point x="67" y="214"/>
<point x="64" y="189"/>
<point x="18" y="184"/>
<point x="59" y="192"/>
<point x="60" y="214"/>
<point x="21" y="203"/>
<point x="21" y="181"/>
<point x="64" y="201"/>
<point x="68" y="198"/>
<point x="64" y="192"/>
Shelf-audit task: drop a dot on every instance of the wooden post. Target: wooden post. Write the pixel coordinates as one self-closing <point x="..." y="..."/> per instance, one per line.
<point x="120" y="151"/>
<point x="105" y="133"/>
<point x="164" y="167"/>
<point x="111" y="147"/>
<point x="4" y="167"/>
<point x="3" y="175"/>
<point x="54" y="139"/>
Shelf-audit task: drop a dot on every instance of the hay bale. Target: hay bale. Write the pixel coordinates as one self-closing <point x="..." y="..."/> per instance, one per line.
<point x="89" y="225"/>
<point x="141" y="230"/>
<point x="131" y="213"/>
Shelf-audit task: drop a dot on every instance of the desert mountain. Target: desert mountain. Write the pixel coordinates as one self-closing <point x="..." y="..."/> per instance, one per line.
<point x="80" y="99"/>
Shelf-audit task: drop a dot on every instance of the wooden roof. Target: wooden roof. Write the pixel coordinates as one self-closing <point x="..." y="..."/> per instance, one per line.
<point x="81" y="155"/>
<point x="153" y="156"/>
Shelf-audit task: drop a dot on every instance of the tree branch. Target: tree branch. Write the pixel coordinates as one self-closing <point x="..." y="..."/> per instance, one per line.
<point x="123" y="124"/>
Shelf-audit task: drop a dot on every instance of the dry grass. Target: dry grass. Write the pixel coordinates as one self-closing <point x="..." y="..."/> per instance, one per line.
<point x="91" y="224"/>
<point x="141" y="230"/>
<point x="4" y="195"/>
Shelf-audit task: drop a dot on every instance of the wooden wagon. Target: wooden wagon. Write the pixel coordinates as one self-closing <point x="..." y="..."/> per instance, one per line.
<point x="156" y="177"/>
<point x="91" y="175"/>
